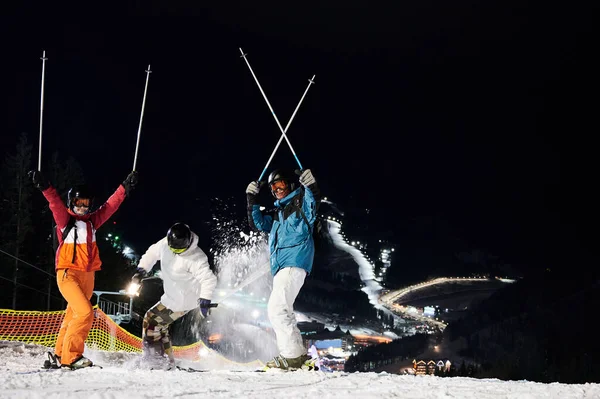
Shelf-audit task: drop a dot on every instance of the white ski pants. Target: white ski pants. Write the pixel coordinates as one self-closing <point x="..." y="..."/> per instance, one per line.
<point x="286" y="286"/>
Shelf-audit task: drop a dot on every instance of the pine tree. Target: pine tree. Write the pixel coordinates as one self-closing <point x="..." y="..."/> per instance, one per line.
<point x="16" y="209"/>
<point x="462" y="371"/>
<point x="65" y="175"/>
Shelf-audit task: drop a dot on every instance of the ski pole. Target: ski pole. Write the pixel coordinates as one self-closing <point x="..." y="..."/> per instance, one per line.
<point x="310" y="82"/>
<point x="43" y="58"/>
<point x="148" y="72"/>
<point x="270" y="108"/>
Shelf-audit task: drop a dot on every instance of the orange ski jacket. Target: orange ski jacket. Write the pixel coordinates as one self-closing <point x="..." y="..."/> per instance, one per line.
<point x="78" y="250"/>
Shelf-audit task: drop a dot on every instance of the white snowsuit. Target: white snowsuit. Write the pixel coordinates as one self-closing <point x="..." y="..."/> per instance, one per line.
<point x="286" y="286"/>
<point x="186" y="277"/>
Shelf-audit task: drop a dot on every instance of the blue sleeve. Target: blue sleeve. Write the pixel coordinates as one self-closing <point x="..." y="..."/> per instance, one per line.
<point x="262" y="222"/>
<point x="309" y="206"/>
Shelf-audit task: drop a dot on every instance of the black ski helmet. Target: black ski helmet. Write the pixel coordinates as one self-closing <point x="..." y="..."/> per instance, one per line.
<point x="179" y="237"/>
<point x="278" y="175"/>
<point x="81" y="191"/>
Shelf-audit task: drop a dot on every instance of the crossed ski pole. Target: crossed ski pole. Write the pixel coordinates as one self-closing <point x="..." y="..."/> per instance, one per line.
<point x="283" y="131"/>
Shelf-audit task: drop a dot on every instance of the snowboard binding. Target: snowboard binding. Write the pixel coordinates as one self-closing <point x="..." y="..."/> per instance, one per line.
<point x="53" y="362"/>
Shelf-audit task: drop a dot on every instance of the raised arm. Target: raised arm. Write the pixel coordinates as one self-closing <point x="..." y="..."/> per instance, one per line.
<point x="102" y="214"/>
<point x="58" y="208"/>
<point x="256" y="219"/>
<point x="312" y="195"/>
<point x="151" y="256"/>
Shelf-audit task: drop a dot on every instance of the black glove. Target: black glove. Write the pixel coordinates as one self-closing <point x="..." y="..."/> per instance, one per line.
<point x="204" y="307"/>
<point x="136" y="283"/>
<point x="130" y="182"/>
<point x="38" y="180"/>
<point x="138" y="276"/>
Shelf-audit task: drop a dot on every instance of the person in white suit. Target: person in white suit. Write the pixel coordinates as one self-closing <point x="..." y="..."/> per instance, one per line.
<point x="188" y="283"/>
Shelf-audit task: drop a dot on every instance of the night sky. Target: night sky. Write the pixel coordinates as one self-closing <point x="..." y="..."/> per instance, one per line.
<point x="477" y="115"/>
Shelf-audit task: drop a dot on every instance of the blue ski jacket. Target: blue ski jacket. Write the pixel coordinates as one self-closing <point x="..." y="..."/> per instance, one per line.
<point x="290" y="237"/>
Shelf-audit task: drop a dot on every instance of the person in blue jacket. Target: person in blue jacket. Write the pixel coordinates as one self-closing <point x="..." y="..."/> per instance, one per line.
<point x="292" y="251"/>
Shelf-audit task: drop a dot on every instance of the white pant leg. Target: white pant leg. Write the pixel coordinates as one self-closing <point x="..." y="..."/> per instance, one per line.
<point x="286" y="286"/>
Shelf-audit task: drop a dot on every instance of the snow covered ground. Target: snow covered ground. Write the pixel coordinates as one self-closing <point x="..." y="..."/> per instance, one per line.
<point x="21" y="377"/>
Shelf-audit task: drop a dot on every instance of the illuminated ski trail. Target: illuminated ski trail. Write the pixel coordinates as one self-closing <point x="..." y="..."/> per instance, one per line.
<point x="365" y="269"/>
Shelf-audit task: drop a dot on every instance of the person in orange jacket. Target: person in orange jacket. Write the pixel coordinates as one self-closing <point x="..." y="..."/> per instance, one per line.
<point x="77" y="260"/>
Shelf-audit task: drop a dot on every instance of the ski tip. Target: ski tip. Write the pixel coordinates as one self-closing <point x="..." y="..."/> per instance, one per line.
<point x="190" y="370"/>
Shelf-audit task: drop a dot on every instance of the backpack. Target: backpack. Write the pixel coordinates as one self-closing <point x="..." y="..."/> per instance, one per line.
<point x="320" y="232"/>
<point x="320" y="229"/>
<point x="68" y="228"/>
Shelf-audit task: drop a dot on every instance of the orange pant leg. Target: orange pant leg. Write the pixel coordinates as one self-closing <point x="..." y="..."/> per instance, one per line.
<point x="63" y="330"/>
<point x="77" y="288"/>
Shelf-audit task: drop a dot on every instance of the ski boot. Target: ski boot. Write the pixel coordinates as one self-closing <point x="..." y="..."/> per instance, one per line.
<point x="311" y="364"/>
<point x="154" y="357"/>
<point x="80" y="363"/>
<point x="280" y="362"/>
<point x="53" y="361"/>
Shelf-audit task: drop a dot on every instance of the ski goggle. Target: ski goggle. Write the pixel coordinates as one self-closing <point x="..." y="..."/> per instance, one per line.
<point x="82" y="202"/>
<point x="279" y="185"/>
<point x="177" y="250"/>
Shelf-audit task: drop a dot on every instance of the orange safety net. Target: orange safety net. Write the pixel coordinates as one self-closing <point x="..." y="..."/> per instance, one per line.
<point x="42" y="328"/>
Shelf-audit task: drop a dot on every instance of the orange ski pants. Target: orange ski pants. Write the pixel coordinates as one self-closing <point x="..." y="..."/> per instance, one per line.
<point x="77" y="288"/>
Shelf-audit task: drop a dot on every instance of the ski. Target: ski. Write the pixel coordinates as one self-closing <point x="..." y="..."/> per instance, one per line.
<point x="42" y="370"/>
<point x="289" y="370"/>
<point x="62" y="369"/>
<point x="193" y="370"/>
